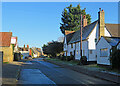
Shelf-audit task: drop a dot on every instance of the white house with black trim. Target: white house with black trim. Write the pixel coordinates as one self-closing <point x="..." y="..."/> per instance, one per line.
<point x="105" y="48"/>
<point x="91" y="34"/>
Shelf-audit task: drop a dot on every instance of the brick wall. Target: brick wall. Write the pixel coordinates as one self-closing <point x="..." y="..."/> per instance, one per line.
<point x="7" y="53"/>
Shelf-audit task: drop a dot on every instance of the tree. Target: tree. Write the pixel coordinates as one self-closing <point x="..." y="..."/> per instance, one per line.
<point x="53" y="48"/>
<point x="71" y="18"/>
<point x="115" y="59"/>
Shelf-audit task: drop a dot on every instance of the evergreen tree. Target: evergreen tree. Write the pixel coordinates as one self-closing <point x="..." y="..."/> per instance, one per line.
<point x="71" y="18"/>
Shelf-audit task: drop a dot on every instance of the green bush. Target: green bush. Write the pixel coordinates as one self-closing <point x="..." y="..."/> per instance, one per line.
<point x="83" y="60"/>
<point x="115" y="59"/>
<point x="69" y="58"/>
<point x="63" y="58"/>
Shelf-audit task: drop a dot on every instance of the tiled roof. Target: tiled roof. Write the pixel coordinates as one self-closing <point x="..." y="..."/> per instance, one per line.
<point x="113" y="41"/>
<point x="5" y="39"/>
<point x="114" y="29"/>
<point x="68" y="32"/>
<point x="85" y="33"/>
<point x="69" y="36"/>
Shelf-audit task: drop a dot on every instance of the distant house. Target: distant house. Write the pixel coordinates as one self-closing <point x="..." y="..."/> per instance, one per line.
<point x="36" y="52"/>
<point x="14" y="43"/>
<point x="24" y="51"/>
<point x="6" y="47"/>
<point x="90" y="36"/>
<point x="105" y="47"/>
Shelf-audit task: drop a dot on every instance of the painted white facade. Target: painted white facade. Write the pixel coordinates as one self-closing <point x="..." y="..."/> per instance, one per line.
<point x="118" y="46"/>
<point x="88" y="45"/>
<point x="103" y="44"/>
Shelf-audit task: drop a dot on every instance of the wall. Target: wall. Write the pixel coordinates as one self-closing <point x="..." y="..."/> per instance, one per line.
<point x="84" y="48"/>
<point x="103" y="44"/>
<point x="106" y="32"/>
<point x="92" y="44"/>
<point x="7" y="53"/>
<point x="118" y="46"/>
<point x="25" y="54"/>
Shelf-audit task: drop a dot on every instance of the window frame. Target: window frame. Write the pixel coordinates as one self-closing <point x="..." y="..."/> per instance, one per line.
<point x="106" y="51"/>
<point x="71" y="45"/>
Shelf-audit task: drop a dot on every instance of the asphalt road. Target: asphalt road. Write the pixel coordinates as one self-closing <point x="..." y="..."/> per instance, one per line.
<point x="41" y="72"/>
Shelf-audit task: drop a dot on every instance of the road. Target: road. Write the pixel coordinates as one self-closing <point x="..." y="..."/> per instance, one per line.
<point x="38" y="71"/>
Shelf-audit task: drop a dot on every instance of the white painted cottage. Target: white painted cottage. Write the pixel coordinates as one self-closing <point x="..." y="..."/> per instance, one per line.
<point x="91" y="34"/>
<point x="104" y="49"/>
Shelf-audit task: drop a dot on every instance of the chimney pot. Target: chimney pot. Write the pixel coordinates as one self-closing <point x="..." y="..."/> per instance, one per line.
<point x="84" y="17"/>
<point x="100" y="9"/>
<point x="84" y="21"/>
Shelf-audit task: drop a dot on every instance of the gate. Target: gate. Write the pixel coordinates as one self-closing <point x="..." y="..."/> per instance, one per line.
<point x="1" y="57"/>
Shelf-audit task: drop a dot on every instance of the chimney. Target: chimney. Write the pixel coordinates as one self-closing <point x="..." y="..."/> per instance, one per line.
<point x="84" y="21"/>
<point x="27" y="46"/>
<point x="68" y="32"/>
<point x="101" y="22"/>
<point x="24" y="48"/>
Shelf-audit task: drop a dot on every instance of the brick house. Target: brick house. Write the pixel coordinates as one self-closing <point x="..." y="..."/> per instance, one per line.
<point x="6" y="47"/>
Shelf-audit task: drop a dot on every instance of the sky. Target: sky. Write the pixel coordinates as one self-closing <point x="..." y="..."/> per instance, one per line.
<point x="36" y="23"/>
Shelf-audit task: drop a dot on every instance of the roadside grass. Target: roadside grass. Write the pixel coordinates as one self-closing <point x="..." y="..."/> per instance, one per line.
<point x="94" y="67"/>
<point x="101" y="68"/>
<point x="5" y="62"/>
<point x="72" y="62"/>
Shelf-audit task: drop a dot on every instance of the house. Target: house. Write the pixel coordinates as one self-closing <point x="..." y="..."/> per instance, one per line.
<point x="36" y="52"/>
<point x="105" y="47"/>
<point x="6" y="47"/>
<point x="24" y="51"/>
<point x="118" y="45"/>
<point x="14" y="43"/>
<point x="90" y="35"/>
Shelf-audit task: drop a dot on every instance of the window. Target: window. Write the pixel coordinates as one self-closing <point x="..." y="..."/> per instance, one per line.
<point x="104" y="52"/>
<point x="95" y="39"/>
<point x="71" y="45"/>
<point x="77" y="52"/>
<point x="90" y="51"/>
<point x="83" y="53"/>
<point x="74" y="52"/>
<point x="70" y="53"/>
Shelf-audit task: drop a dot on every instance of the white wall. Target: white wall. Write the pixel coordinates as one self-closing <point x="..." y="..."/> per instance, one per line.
<point x="69" y="49"/>
<point x="92" y="44"/>
<point x="106" y="32"/>
<point x="118" y="46"/>
<point x="103" y="44"/>
<point x="65" y="44"/>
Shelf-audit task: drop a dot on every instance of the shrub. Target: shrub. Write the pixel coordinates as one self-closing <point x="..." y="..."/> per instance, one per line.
<point x="69" y="58"/>
<point x="83" y="60"/>
<point x="63" y="58"/>
<point x="115" y="59"/>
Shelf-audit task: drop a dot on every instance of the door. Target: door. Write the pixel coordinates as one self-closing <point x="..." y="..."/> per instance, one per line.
<point x="1" y="56"/>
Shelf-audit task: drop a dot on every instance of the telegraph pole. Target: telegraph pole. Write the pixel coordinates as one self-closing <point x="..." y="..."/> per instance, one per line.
<point x="80" y="40"/>
<point x="81" y="37"/>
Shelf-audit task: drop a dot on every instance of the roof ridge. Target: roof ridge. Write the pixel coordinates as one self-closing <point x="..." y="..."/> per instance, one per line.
<point x="110" y="37"/>
<point x="112" y="24"/>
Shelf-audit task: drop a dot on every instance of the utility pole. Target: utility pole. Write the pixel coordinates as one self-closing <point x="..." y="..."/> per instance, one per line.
<point x="80" y="40"/>
<point x="81" y="37"/>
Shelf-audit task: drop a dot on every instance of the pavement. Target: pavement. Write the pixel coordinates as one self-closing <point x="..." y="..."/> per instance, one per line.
<point x="10" y="72"/>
